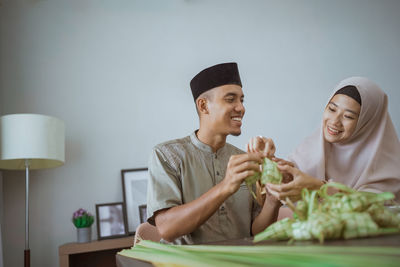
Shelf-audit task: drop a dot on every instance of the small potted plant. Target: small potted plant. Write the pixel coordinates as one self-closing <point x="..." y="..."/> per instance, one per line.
<point x="83" y="221"/>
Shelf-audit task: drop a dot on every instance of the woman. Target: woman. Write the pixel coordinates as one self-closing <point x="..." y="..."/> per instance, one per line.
<point x="356" y="145"/>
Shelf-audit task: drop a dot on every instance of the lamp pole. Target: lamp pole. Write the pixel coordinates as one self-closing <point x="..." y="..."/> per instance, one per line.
<point x="27" y="256"/>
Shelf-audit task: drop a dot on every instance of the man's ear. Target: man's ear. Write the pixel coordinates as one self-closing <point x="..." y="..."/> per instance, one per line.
<point x="202" y="105"/>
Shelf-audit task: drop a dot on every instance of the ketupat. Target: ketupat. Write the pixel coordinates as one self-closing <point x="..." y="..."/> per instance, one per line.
<point x="358" y="224"/>
<point x="324" y="226"/>
<point x="301" y="230"/>
<point x="347" y="214"/>
<point x="269" y="174"/>
<point x="281" y="230"/>
<point x="383" y="217"/>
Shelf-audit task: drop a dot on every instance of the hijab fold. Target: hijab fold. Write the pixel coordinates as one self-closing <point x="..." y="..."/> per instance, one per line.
<point x="370" y="159"/>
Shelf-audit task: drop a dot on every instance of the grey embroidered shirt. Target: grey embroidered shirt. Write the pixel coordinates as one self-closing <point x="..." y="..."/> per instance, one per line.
<point x="181" y="171"/>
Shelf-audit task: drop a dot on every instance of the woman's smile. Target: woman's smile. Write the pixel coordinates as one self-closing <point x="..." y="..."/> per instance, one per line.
<point x="333" y="131"/>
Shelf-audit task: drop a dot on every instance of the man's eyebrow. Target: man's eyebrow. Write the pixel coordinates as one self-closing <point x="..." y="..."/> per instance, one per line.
<point x="349" y="110"/>
<point x="233" y="94"/>
<point x="230" y="94"/>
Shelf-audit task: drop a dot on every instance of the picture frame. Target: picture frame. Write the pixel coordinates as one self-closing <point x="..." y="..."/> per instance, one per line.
<point x="134" y="187"/>
<point x="111" y="220"/>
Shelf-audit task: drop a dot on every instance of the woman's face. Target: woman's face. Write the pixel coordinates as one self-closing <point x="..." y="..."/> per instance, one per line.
<point x="340" y="118"/>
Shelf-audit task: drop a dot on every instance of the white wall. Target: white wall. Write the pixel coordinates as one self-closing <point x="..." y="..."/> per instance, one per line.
<point x="118" y="72"/>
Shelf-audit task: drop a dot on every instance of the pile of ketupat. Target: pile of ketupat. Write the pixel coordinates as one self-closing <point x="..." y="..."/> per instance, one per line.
<point x="346" y="214"/>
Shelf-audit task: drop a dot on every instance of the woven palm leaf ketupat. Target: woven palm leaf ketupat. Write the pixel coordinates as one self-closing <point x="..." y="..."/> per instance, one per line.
<point x="383" y="217"/>
<point x="269" y="174"/>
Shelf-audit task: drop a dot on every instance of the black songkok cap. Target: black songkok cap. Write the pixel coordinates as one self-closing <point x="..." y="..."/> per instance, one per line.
<point x="218" y="75"/>
<point x="351" y="91"/>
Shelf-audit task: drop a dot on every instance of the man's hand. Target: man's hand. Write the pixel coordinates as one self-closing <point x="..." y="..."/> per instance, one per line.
<point x="261" y="144"/>
<point x="239" y="168"/>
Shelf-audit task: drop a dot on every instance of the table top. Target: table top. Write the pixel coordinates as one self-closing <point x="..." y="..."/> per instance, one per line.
<point x="385" y="240"/>
<point x="95" y="245"/>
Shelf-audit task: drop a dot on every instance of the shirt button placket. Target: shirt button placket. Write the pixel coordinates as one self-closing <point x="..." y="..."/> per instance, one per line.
<point x="216" y="166"/>
<point x="217" y="170"/>
<point x="214" y="161"/>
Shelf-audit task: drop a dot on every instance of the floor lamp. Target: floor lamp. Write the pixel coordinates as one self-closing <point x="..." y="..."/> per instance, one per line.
<point x="29" y="142"/>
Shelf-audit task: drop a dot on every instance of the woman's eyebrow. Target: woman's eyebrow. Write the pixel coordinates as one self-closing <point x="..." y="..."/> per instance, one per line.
<point x="333" y="103"/>
<point x="349" y="110"/>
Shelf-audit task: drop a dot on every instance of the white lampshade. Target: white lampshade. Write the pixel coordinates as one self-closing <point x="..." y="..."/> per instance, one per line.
<point x="39" y="138"/>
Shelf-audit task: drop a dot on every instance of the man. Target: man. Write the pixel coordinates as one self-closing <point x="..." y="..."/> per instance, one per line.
<point x="196" y="191"/>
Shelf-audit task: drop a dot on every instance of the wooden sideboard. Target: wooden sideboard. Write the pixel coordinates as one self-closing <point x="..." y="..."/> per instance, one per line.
<point x="95" y="253"/>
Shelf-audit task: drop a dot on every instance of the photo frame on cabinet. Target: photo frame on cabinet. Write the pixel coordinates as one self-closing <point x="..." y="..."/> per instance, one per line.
<point x="111" y="220"/>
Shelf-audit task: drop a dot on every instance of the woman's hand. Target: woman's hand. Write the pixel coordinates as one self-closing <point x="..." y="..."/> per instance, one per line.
<point x="293" y="189"/>
<point x="282" y="161"/>
<point x="261" y="144"/>
<point x="286" y="177"/>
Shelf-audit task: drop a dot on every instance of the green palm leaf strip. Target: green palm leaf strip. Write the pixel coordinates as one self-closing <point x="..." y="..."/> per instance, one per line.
<point x="208" y="255"/>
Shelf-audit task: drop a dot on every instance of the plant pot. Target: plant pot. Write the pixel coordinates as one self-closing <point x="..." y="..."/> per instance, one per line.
<point x="84" y="234"/>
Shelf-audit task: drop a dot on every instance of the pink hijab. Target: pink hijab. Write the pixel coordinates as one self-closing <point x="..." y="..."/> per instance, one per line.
<point x="370" y="160"/>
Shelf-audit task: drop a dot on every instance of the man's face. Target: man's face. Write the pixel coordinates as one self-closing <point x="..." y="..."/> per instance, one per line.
<point x="226" y="109"/>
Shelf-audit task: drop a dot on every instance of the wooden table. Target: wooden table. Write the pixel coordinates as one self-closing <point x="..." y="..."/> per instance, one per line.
<point x="95" y="253"/>
<point x="388" y="240"/>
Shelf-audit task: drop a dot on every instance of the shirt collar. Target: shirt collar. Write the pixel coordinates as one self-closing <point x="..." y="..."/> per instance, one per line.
<point x="200" y="145"/>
